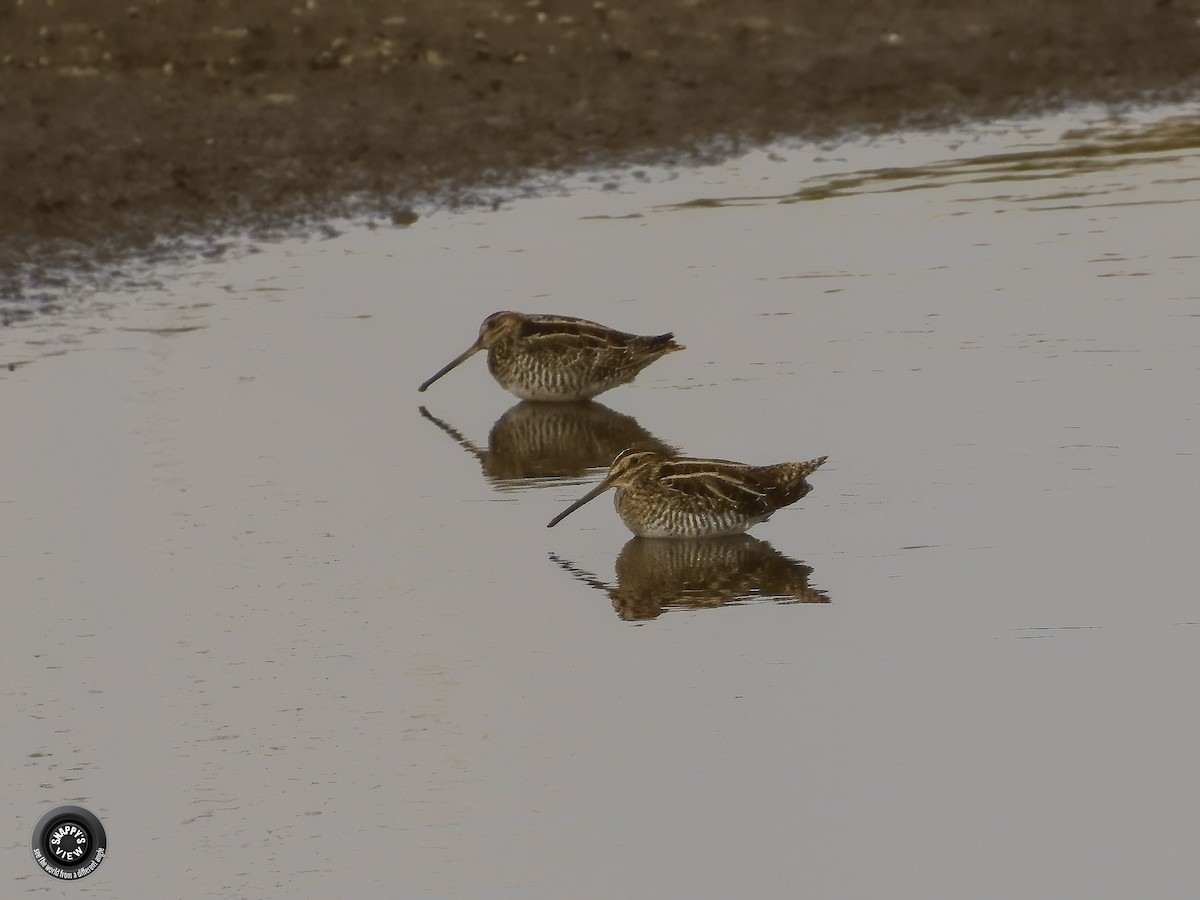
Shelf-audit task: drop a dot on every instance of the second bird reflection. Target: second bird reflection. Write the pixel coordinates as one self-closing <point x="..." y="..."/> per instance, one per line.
<point x="553" y="440"/>
<point x="699" y="573"/>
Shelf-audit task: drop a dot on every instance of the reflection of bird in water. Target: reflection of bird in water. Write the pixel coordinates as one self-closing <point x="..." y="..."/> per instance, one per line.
<point x="547" y="440"/>
<point x="663" y="497"/>
<point x="699" y="573"/>
<point x="556" y="358"/>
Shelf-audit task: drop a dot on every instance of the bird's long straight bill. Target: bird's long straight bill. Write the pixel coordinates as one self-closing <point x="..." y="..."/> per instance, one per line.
<point x="590" y="495"/>
<point x="461" y="358"/>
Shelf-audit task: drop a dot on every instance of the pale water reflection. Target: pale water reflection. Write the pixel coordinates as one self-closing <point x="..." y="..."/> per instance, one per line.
<point x="1097" y="149"/>
<point x="269" y="622"/>
<point x="553" y="441"/>
<point x="657" y="575"/>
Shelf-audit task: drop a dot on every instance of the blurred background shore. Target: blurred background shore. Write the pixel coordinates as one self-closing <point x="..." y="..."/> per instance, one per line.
<point x="129" y="120"/>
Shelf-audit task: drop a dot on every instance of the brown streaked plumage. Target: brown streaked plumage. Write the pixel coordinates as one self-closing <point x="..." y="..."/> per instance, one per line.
<point x="662" y="497"/>
<point x="544" y="357"/>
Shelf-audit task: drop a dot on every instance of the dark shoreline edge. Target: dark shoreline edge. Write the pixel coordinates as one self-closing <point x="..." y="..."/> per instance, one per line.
<point x="143" y="129"/>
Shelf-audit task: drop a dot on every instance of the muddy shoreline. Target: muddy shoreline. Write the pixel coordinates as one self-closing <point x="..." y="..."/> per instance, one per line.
<point x="130" y="123"/>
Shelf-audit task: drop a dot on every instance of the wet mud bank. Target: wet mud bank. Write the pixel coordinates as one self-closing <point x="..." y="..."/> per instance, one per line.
<point x="125" y="123"/>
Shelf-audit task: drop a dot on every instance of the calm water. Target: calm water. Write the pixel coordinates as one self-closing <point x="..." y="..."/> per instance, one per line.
<point x="289" y="627"/>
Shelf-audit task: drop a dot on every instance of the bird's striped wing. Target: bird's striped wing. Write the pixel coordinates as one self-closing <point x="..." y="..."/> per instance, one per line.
<point x="717" y="483"/>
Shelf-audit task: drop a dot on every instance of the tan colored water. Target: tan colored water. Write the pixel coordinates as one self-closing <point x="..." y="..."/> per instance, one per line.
<point x="287" y="633"/>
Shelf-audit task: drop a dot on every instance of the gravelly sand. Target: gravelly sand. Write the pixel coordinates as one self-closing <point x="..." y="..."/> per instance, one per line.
<point x="124" y="122"/>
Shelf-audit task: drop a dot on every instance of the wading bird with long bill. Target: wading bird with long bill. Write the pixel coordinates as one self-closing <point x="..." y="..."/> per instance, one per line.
<point x="662" y="497"/>
<point x="559" y="358"/>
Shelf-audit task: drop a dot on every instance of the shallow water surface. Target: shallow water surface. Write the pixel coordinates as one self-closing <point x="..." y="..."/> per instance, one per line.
<point x="287" y="625"/>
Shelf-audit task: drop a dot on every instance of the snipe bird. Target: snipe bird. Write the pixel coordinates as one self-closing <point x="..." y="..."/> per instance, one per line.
<point x="542" y="357"/>
<point x="658" y="496"/>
